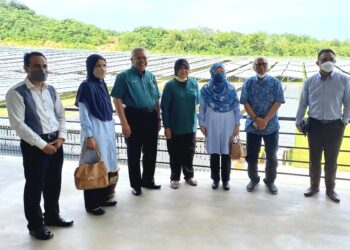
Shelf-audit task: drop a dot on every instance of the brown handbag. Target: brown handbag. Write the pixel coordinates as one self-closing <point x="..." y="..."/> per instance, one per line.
<point x="91" y="175"/>
<point x="236" y="150"/>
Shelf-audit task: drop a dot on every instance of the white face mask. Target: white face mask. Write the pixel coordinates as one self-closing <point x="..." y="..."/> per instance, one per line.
<point x="181" y="79"/>
<point x="327" y="66"/>
<point x="261" y="76"/>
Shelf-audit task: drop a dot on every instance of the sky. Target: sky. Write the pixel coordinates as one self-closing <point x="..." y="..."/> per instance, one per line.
<point x="322" y="19"/>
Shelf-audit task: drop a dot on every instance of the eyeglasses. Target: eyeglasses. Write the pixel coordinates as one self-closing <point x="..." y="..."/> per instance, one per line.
<point x="140" y="58"/>
<point x="261" y="64"/>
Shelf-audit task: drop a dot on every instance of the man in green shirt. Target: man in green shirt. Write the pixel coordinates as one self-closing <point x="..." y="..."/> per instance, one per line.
<point x="136" y="98"/>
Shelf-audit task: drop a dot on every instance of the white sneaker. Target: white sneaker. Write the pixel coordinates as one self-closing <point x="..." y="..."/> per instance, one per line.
<point x="191" y="182"/>
<point x="174" y="184"/>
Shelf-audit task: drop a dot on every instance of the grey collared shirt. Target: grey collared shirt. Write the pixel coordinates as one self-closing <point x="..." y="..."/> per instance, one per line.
<point x="325" y="98"/>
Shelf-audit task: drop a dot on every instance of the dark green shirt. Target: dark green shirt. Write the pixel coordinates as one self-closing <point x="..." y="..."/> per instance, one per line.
<point x="178" y="104"/>
<point x="136" y="90"/>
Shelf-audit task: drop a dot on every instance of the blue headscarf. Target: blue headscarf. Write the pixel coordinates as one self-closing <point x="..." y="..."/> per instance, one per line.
<point x="93" y="92"/>
<point x="219" y="94"/>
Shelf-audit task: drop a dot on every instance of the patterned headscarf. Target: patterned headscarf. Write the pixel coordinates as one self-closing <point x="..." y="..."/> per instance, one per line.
<point x="219" y="93"/>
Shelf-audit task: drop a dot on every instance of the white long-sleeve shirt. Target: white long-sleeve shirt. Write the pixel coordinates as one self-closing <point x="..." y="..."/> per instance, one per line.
<point x="51" y="115"/>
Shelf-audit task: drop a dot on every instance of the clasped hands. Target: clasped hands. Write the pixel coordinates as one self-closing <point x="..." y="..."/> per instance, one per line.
<point x="261" y="123"/>
<point x="52" y="147"/>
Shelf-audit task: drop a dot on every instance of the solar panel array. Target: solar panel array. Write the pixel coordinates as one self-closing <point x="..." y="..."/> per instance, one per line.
<point x="67" y="67"/>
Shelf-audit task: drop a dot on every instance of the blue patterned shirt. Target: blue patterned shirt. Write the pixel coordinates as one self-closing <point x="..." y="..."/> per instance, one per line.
<point x="261" y="97"/>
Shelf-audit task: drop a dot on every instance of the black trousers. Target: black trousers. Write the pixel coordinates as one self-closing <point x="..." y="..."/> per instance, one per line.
<point x="143" y="138"/>
<point x="253" y="149"/>
<point x="325" y="138"/>
<point x="95" y="198"/>
<point x="225" y="167"/>
<point x="43" y="176"/>
<point x="181" y="150"/>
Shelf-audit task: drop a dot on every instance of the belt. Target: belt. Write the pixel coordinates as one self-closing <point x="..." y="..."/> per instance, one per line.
<point x="147" y="110"/>
<point x="325" y="121"/>
<point x="50" y="136"/>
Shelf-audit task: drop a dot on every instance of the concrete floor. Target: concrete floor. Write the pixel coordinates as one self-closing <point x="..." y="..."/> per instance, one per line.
<point x="187" y="218"/>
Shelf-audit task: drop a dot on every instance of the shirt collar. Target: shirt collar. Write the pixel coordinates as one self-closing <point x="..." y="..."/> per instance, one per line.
<point x="30" y="85"/>
<point x="329" y="77"/>
<point x="137" y="72"/>
<point x="256" y="78"/>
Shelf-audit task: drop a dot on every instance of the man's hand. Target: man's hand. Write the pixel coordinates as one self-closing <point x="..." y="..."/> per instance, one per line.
<point x="126" y="130"/>
<point x="261" y="123"/>
<point x="203" y="130"/>
<point x="49" y="149"/>
<point x="298" y="127"/>
<point x="167" y="133"/>
<point x="57" y="143"/>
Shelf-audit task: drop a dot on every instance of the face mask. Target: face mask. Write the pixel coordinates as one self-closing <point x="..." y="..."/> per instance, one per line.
<point x="39" y="75"/>
<point x="219" y="77"/>
<point x="180" y="79"/>
<point x="100" y="72"/>
<point x="327" y="66"/>
<point x="261" y="76"/>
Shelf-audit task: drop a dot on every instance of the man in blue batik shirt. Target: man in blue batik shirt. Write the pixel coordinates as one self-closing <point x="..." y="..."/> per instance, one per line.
<point x="325" y="93"/>
<point x="262" y="95"/>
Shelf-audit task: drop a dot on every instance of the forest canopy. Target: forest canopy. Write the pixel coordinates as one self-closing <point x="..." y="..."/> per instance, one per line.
<point x="20" y="25"/>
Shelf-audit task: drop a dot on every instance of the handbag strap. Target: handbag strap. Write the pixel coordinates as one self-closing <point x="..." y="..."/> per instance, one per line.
<point x="235" y="138"/>
<point x="97" y="150"/>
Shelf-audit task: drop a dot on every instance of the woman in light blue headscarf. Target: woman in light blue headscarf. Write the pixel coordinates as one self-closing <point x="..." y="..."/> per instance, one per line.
<point x="219" y="118"/>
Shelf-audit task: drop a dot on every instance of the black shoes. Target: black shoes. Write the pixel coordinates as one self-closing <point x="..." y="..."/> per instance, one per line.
<point x="96" y="211"/>
<point x="136" y="191"/>
<point x="226" y="186"/>
<point x="58" y="222"/>
<point x="41" y="233"/>
<point x="110" y="203"/>
<point x="271" y="187"/>
<point x="215" y="185"/>
<point x="333" y="195"/>
<point x="311" y="191"/>
<point x="251" y="186"/>
<point x="151" y="186"/>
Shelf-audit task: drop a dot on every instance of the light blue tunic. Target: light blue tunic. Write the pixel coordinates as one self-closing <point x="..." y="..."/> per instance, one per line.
<point x="219" y="126"/>
<point x="103" y="133"/>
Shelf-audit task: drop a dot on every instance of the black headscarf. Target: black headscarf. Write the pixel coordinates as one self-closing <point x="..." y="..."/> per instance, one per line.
<point x="93" y="92"/>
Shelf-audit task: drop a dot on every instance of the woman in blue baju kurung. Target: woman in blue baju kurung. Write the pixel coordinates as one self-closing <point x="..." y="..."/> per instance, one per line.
<point x="97" y="130"/>
<point x="219" y="118"/>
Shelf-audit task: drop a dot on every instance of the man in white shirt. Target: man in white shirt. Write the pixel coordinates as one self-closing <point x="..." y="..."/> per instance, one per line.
<point x="37" y="115"/>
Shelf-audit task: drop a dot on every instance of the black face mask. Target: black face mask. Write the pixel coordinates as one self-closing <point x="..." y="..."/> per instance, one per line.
<point x="39" y="75"/>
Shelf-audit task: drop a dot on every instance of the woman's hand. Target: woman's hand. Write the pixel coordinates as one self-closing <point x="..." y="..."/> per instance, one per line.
<point x="90" y="143"/>
<point x="167" y="133"/>
<point x="203" y="130"/>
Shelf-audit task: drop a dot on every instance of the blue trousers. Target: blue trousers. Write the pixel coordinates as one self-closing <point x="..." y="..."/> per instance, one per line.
<point x="253" y="149"/>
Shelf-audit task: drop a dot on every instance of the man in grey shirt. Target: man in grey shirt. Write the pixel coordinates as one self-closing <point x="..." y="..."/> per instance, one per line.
<point x="325" y="93"/>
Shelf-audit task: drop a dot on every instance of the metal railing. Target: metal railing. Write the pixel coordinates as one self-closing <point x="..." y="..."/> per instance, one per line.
<point x="10" y="145"/>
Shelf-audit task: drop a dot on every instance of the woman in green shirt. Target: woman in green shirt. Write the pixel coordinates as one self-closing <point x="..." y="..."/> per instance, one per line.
<point x="178" y="104"/>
